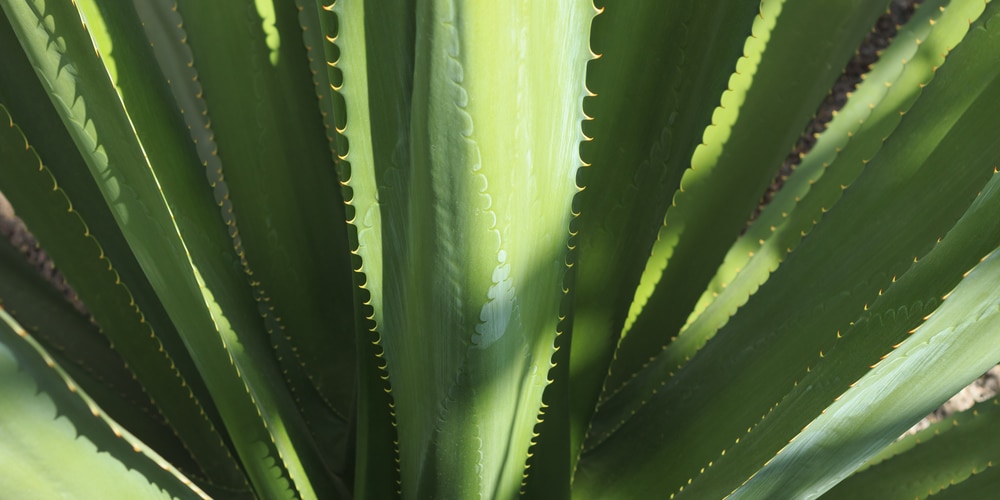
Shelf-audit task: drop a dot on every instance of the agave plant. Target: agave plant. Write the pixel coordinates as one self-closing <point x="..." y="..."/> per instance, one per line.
<point x="444" y="249"/>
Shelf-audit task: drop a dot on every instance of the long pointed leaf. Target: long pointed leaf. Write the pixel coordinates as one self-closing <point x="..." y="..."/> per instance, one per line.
<point x="238" y="370"/>
<point x="853" y="259"/>
<point x="649" y="112"/>
<point x="381" y="107"/>
<point x="44" y="412"/>
<point x="936" y="459"/>
<point x="488" y="302"/>
<point x="896" y="393"/>
<point x="30" y="185"/>
<point x="741" y="151"/>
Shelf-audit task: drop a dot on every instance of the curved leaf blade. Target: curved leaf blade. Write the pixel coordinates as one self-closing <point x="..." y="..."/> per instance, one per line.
<point x="741" y="151"/>
<point x="648" y="115"/>
<point x="240" y="373"/>
<point x="378" y="111"/>
<point x="31" y="186"/>
<point x="956" y="339"/>
<point x="44" y="411"/>
<point x="947" y="454"/>
<point x="784" y="333"/>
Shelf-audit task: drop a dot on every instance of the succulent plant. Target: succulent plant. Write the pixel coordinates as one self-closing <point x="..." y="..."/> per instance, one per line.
<point x="461" y="249"/>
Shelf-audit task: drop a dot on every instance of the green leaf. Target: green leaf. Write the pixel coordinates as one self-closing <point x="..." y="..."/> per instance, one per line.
<point x="648" y="115"/>
<point x="78" y="345"/>
<point x="853" y="137"/>
<point x="29" y="106"/>
<point x="173" y="156"/>
<point x="487" y="296"/>
<point x="777" y="349"/>
<point x="316" y="358"/>
<point x="981" y="484"/>
<point x="346" y="25"/>
<point x="741" y="151"/>
<point x="273" y="172"/>
<point x="951" y="349"/>
<point x="311" y="15"/>
<point x="31" y="186"/>
<point x="838" y="158"/>
<point x="937" y="459"/>
<point x="253" y="402"/>
<point x="45" y="412"/>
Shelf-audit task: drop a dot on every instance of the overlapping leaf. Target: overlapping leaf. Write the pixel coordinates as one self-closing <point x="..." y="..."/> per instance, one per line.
<point x="847" y="262"/>
<point x="44" y="410"/>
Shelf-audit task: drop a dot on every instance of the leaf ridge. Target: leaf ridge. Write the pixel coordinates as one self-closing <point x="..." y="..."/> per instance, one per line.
<point x="133" y="190"/>
<point x="711" y="146"/>
<point x="880" y="88"/>
<point x="820" y="180"/>
<point x="344" y="26"/>
<point x="24" y="345"/>
<point x="127" y="341"/>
